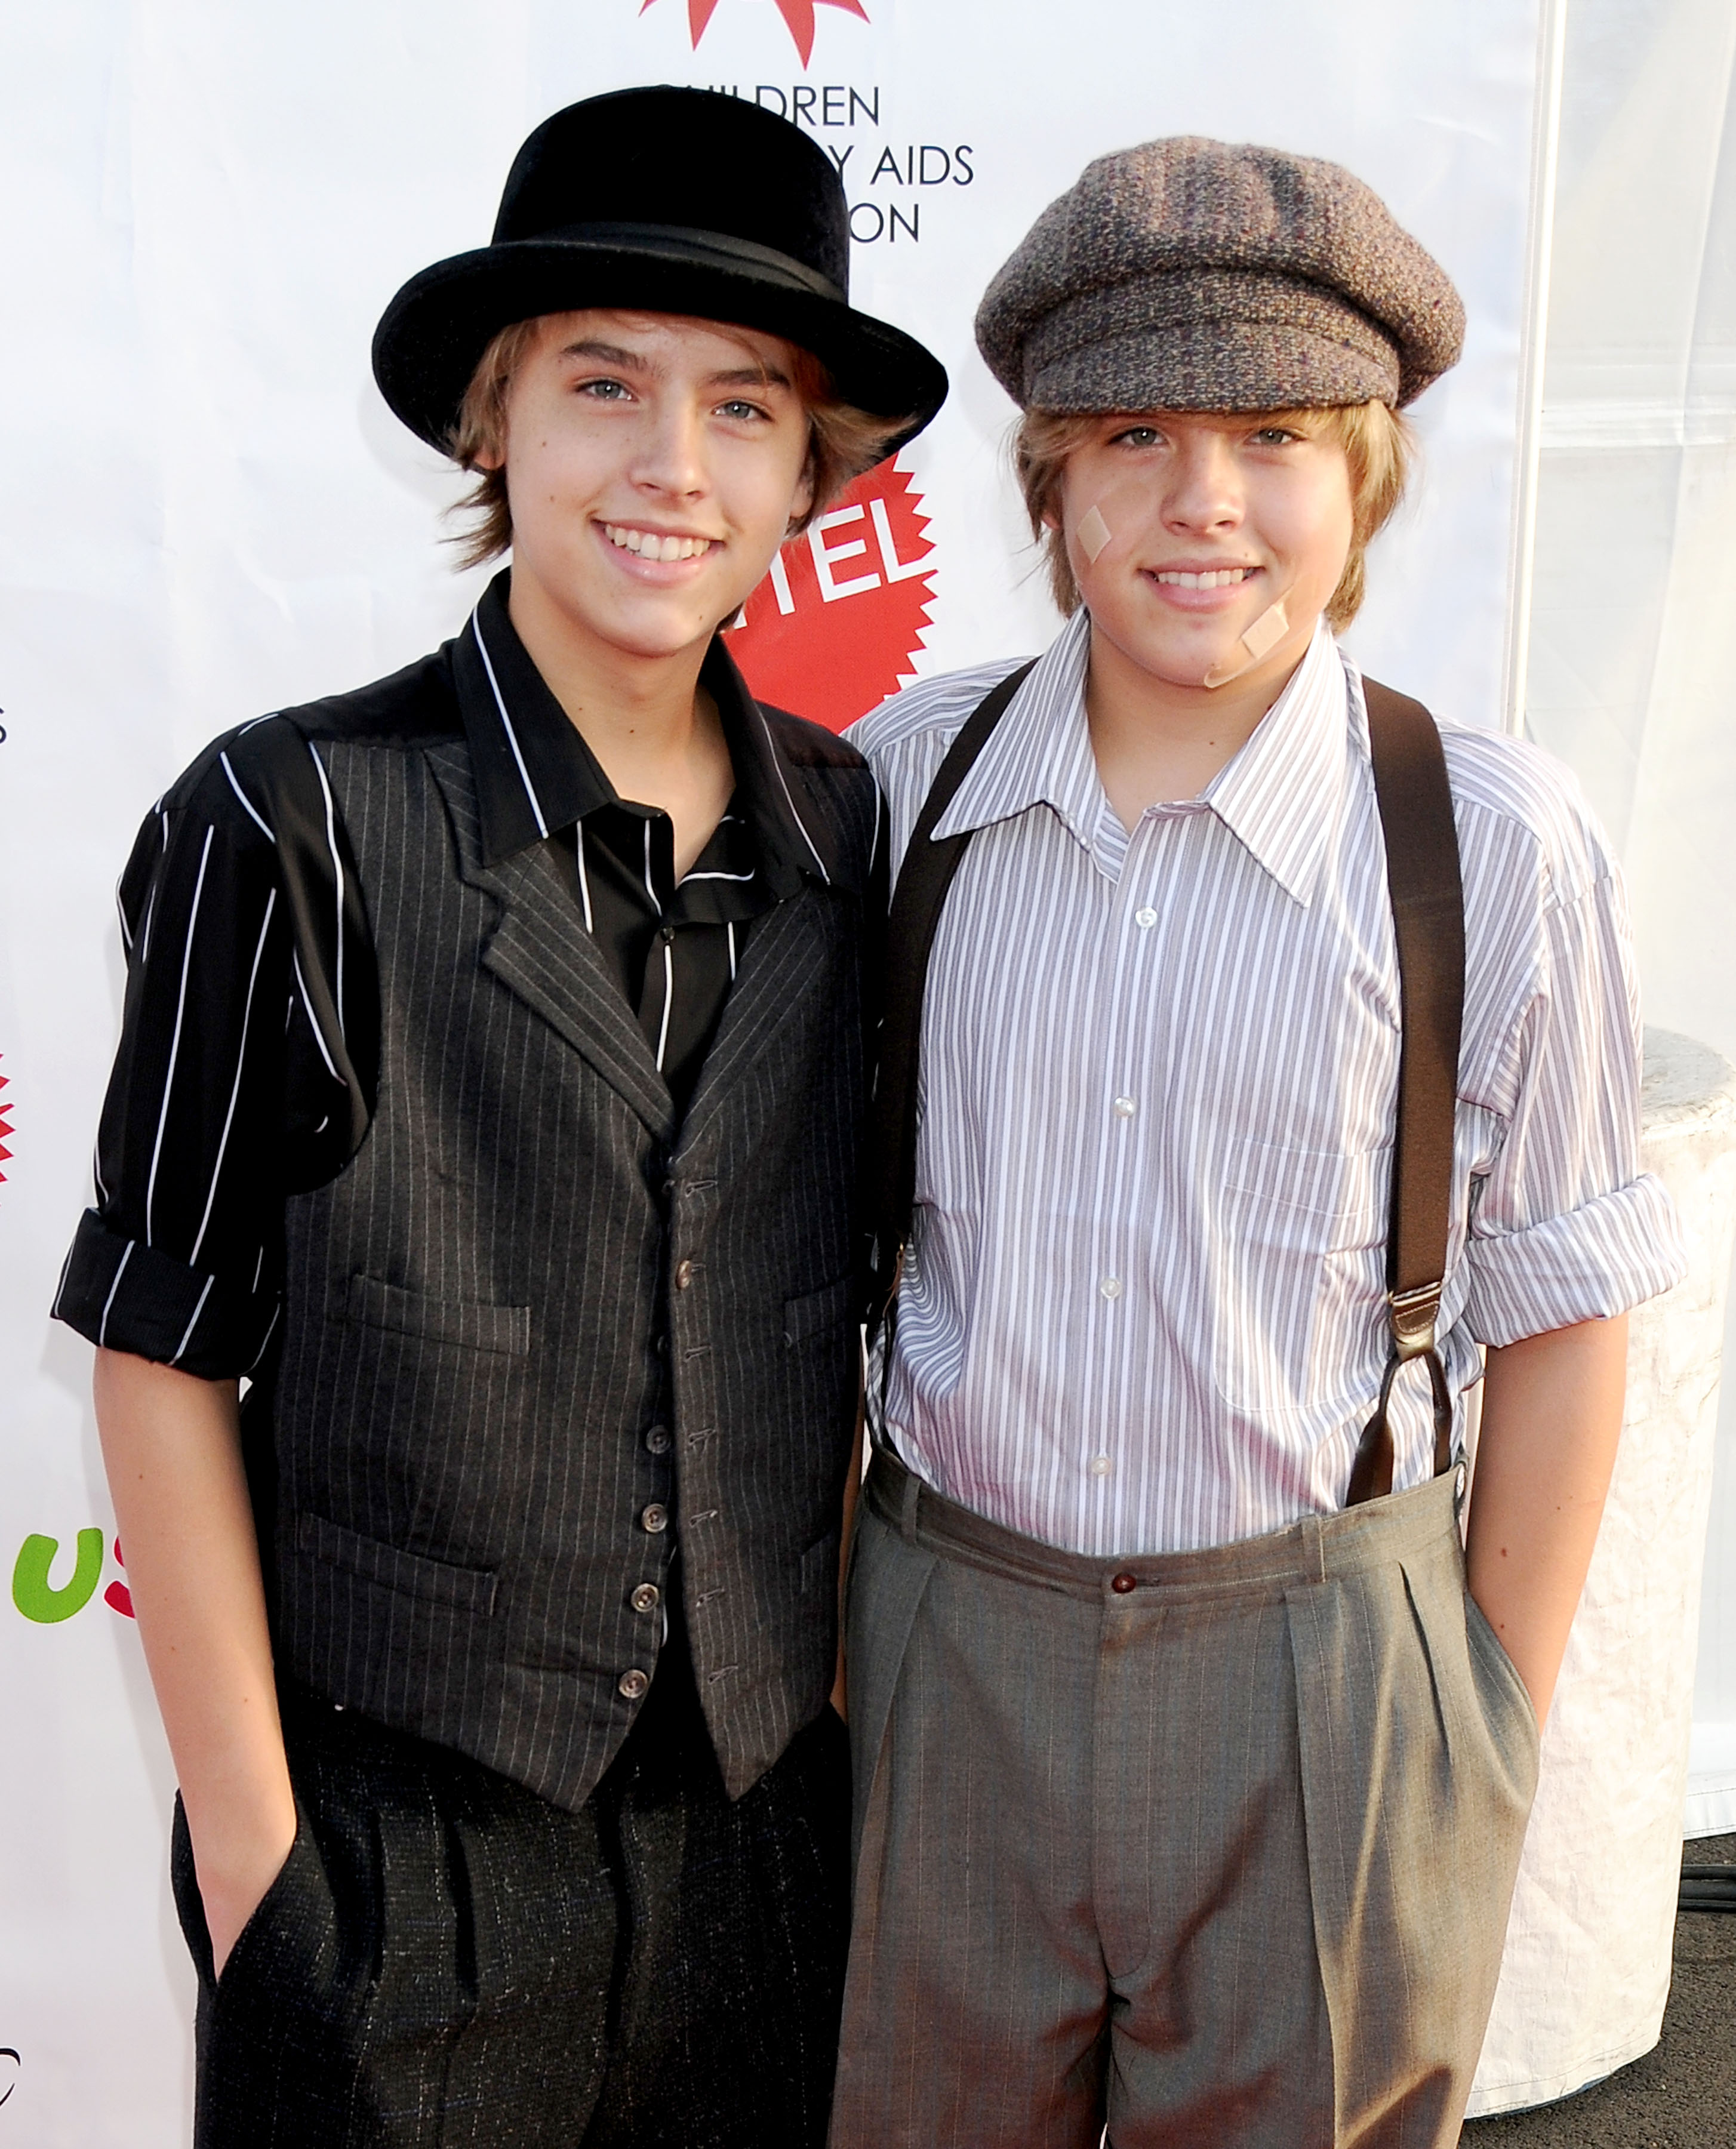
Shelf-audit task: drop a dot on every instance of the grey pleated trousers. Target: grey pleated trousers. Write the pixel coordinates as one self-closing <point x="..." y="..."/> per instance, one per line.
<point x="1215" y="1848"/>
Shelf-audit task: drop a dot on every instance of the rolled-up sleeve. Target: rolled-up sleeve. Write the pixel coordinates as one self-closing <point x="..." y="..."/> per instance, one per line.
<point x="172" y="1262"/>
<point x="227" y="1093"/>
<point x="1564" y="1226"/>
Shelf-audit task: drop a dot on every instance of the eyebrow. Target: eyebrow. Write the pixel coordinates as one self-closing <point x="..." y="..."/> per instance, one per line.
<point x="632" y="361"/>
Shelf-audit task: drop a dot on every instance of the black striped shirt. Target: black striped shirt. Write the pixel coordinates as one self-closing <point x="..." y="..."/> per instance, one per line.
<point x="249" y="1049"/>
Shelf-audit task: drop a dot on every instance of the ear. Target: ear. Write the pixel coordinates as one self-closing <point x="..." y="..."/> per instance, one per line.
<point x="803" y="501"/>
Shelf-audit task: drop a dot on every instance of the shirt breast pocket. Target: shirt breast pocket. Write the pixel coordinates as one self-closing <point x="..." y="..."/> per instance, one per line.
<point x="1298" y="1277"/>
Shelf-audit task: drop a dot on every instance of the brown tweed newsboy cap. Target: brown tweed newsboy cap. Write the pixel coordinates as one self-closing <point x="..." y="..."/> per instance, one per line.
<point x="1188" y="274"/>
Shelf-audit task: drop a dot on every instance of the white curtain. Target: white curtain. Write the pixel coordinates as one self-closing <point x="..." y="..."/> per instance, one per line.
<point x="1632" y="663"/>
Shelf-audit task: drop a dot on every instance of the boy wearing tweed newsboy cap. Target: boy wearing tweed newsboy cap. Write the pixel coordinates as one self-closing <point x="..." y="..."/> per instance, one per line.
<point x="1268" y="1036"/>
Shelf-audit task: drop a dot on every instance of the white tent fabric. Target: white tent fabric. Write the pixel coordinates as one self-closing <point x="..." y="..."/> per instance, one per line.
<point x="1632" y="671"/>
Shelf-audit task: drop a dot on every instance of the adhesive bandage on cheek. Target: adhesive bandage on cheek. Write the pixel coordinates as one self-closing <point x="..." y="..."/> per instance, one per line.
<point x="1259" y="640"/>
<point x="1093" y="533"/>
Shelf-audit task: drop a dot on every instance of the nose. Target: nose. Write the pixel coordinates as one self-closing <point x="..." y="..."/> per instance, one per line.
<point x="669" y="457"/>
<point x="1205" y="491"/>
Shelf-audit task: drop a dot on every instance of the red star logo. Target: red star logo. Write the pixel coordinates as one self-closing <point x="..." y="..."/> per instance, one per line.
<point x="800" y="648"/>
<point x="797" y="16"/>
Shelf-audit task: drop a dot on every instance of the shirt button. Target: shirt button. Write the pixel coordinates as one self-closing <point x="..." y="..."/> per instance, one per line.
<point x="658" y="1440"/>
<point x="683" y="1275"/>
<point x="633" y="1685"/>
<point x="1126" y="1107"/>
<point x="1144" y="919"/>
<point x="667" y="935"/>
<point x="1124" y="1583"/>
<point x="1111" y="1286"/>
<point x="1101" y="1466"/>
<point x="645" y="1598"/>
<point x="655" y="1517"/>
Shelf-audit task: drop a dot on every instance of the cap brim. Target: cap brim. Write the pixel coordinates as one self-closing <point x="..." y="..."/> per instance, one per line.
<point x="435" y="331"/>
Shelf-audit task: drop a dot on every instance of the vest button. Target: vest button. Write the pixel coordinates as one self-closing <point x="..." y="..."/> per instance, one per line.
<point x="645" y="1598"/>
<point x="658" y="1440"/>
<point x="655" y="1517"/>
<point x="633" y="1685"/>
<point x="683" y="1275"/>
<point x="1123" y="1583"/>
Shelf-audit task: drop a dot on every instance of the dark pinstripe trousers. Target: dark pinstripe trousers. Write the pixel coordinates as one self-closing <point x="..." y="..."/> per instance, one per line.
<point x="447" y="1959"/>
<point x="1215" y="1848"/>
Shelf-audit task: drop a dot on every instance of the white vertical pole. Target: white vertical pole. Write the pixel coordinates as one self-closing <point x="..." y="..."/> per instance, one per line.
<point x="1545" y="145"/>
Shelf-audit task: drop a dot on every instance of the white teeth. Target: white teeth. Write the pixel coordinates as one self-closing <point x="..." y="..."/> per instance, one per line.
<point x="649" y="545"/>
<point x="1218" y="578"/>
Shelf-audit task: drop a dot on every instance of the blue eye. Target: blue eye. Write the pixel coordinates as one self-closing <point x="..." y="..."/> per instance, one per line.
<point x="605" y="391"/>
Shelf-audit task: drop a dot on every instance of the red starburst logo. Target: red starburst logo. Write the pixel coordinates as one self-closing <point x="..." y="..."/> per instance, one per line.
<point x="834" y="628"/>
<point x="797" y="16"/>
<point x="5" y="1127"/>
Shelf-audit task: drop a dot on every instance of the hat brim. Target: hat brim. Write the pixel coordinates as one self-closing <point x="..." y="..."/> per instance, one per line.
<point x="433" y="334"/>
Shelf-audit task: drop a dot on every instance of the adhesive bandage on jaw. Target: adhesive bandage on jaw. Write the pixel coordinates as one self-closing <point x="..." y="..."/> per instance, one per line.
<point x="1259" y="640"/>
<point x="1093" y="533"/>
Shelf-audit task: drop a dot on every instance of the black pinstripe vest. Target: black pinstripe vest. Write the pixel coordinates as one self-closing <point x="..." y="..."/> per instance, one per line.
<point x="527" y="1278"/>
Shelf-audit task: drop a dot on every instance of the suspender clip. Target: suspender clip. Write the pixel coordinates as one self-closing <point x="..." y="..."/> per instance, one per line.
<point x="1412" y="1315"/>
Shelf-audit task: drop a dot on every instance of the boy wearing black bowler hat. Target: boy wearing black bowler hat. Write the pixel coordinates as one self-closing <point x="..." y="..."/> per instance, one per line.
<point x="489" y="1100"/>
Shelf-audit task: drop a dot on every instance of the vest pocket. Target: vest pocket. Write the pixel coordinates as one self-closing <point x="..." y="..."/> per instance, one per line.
<point x="470" y="1322"/>
<point x="410" y="1573"/>
<point x="815" y="1311"/>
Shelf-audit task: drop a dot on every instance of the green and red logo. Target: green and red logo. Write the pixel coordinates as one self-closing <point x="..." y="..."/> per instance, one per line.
<point x="797" y="16"/>
<point x="5" y="1127"/>
<point x="45" y="1601"/>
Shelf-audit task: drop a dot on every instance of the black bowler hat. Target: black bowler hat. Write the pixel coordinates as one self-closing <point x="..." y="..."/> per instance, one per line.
<point x="676" y="201"/>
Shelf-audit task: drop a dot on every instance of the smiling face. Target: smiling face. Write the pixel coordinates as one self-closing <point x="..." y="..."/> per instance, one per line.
<point x="1211" y="518"/>
<point x="653" y="466"/>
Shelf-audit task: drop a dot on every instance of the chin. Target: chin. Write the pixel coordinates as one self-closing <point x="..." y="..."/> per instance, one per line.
<point x="655" y="638"/>
<point x="1184" y="667"/>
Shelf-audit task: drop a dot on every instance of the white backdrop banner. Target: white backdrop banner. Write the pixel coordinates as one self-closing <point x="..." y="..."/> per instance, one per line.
<point x="208" y="512"/>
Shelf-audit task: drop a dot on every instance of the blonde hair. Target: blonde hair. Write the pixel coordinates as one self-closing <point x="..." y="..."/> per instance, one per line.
<point x="843" y="441"/>
<point x="1377" y="446"/>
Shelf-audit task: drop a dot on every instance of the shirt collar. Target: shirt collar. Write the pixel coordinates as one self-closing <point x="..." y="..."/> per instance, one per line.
<point x="1280" y="795"/>
<point x="1277" y="795"/>
<point x="535" y="773"/>
<point x="1039" y="753"/>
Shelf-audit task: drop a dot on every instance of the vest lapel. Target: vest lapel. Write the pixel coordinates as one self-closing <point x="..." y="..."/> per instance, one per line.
<point x="541" y="951"/>
<point x="784" y="962"/>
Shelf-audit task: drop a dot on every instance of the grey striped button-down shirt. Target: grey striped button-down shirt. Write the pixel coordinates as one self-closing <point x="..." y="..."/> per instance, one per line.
<point x="1144" y="1306"/>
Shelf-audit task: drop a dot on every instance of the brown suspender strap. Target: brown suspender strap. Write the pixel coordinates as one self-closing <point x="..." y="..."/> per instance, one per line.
<point x="1428" y="923"/>
<point x="1422" y="879"/>
<point x="924" y="879"/>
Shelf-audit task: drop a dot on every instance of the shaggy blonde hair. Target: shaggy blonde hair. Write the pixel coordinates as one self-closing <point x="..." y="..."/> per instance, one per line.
<point x="843" y="441"/>
<point x="1377" y="446"/>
